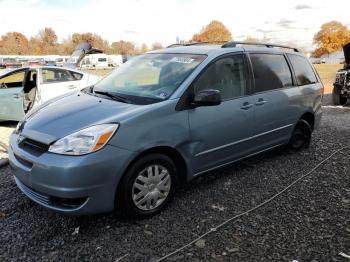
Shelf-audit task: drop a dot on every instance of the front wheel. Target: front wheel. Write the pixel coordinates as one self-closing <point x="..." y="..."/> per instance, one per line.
<point x="147" y="186"/>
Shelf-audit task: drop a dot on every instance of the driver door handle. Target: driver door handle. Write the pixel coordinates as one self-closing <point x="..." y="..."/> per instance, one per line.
<point x="246" y="106"/>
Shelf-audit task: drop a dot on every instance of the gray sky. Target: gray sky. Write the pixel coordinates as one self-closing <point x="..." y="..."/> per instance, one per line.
<point x="285" y="21"/>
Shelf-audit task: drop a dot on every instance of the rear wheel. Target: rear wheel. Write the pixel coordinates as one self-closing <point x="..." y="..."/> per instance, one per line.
<point x="301" y="136"/>
<point x="148" y="186"/>
<point x="338" y="98"/>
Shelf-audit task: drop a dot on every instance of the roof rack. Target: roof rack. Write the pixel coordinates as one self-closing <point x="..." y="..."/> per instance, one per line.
<point x="235" y="43"/>
<point x="196" y="43"/>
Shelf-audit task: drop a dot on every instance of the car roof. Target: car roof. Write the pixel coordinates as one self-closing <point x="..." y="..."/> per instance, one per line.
<point x="198" y="49"/>
<point x="219" y="50"/>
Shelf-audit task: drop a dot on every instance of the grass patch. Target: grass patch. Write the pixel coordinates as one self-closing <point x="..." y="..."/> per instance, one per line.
<point x="99" y="72"/>
<point x="327" y="73"/>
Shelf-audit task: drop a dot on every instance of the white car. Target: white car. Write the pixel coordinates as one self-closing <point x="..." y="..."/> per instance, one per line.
<point x="23" y="88"/>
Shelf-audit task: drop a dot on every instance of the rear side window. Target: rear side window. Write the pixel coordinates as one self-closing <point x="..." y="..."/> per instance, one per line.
<point x="303" y="71"/>
<point x="53" y="75"/>
<point x="271" y="72"/>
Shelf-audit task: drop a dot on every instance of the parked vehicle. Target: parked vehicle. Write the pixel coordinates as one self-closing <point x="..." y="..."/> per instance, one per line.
<point x="99" y="61"/>
<point x="23" y="88"/>
<point x="10" y="63"/>
<point x="82" y="50"/>
<point x="95" y="61"/>
<point x="341" y="90"/>
<point x="163" y="118"/>
<point x="60" y="61"/>
<point x="115" y="60"/>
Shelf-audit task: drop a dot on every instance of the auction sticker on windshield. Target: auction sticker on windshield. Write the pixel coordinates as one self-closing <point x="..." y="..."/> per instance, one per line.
<point x="182" y="60"/>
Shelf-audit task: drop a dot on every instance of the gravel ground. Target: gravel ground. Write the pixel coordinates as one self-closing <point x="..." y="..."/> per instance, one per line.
<point x="309" y="222"/>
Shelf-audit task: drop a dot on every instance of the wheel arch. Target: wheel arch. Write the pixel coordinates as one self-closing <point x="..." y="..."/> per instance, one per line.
<point x="309" y="118"/>
<point x="170" y="152"/>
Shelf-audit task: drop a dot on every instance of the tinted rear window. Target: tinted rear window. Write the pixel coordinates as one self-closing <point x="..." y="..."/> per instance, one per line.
<point x="271" y="71"/>
<point x="303" y="71"/>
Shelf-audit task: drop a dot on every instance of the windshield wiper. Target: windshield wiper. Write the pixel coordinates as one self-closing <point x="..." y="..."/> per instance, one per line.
<point x="114" y="96"/>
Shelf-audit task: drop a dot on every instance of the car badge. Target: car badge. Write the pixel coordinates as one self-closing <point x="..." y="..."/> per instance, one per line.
<point x="20" y="139"/>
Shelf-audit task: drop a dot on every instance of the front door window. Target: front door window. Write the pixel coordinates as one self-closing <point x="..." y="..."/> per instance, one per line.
<point x="12" y="80"/>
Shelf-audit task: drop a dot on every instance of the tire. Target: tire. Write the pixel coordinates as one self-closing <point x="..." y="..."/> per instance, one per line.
<point x="301" y="136"/>
<point x="157" y="192"/>
<point x="338" y="99"/>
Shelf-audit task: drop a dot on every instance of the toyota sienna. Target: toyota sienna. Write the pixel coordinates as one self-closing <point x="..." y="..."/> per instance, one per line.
<point x="163" y="118"/>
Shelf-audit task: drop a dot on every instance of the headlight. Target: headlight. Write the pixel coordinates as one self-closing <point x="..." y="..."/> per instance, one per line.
<point x="85" y="141"/>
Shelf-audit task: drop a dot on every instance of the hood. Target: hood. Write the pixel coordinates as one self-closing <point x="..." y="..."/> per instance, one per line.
<point x="79" y="53"/>
<point x="346" y="50"/>
<point x="72" y="113"/>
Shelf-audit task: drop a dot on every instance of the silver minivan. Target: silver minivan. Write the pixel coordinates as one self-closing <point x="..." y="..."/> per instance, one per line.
<point x="161" y="119"/>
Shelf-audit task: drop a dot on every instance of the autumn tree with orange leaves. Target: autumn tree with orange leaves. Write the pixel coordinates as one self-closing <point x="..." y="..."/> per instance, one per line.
<point x="45" y="43"/>
<point x="14" y="43"/>
<point x="123" y="47"/>
<point x="215" y="31"/>
<point x="330" y="38"/>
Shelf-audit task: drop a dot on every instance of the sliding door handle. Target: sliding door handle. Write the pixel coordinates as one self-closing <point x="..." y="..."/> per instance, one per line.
<point x="246" y="106"/>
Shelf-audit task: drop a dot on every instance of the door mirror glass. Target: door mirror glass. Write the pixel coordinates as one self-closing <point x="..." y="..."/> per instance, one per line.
<point x="207" y="97"/>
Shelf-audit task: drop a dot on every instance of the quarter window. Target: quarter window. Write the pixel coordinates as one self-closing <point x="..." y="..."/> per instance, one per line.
<point x="303" y="71"/>
<point x="56" y="75"/>
<point x="76" y="75"/>
<point x="226" y="75"/>
<point x="271" y="72"/>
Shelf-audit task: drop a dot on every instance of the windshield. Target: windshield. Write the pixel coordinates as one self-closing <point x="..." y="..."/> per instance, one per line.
<point x="150" y="76"/>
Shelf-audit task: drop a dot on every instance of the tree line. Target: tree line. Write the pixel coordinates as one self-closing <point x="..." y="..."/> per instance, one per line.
<point x="331" y="37"/>
<point x="46" y="43"/>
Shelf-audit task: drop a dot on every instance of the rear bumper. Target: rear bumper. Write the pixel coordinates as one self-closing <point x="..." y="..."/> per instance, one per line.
<point x="74" y="185"/>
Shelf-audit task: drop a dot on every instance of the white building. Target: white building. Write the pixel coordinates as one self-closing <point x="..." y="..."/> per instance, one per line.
<point x="336" y="57"/>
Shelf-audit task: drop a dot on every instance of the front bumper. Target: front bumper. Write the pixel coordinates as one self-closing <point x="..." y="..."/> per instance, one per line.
<point x="75" y="185"/>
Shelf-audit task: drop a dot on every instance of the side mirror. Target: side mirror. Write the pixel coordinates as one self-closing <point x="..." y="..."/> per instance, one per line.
<point x="207" y="97"/>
